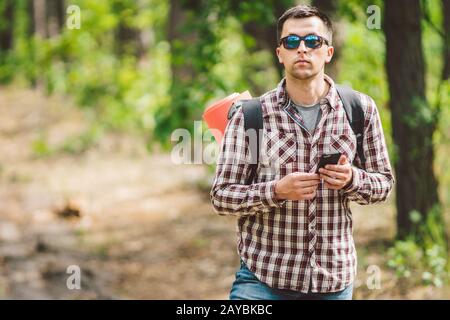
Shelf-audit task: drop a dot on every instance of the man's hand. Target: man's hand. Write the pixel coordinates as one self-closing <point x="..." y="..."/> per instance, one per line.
<point x="297" y="186"/>
<point x="337" y="176"/>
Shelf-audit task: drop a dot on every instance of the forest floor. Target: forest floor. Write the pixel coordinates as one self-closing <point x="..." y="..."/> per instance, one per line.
<point x="137" y="225"/>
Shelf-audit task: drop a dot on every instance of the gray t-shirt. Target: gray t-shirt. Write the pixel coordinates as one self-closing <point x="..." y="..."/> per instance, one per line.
<point x="310" y="115"/>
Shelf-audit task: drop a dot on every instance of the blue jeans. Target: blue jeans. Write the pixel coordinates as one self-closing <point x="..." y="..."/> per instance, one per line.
<point x="248" y="287"/>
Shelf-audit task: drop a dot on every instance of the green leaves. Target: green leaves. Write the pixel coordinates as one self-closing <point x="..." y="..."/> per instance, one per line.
<point x="423" y="256"/>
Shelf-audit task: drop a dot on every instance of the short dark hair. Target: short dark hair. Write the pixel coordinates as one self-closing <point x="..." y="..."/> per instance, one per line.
<point x="303" y="11"/>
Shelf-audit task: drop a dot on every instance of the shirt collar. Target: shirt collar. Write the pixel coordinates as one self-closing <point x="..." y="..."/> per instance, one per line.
<point x="281" y="93"/>
<point x="331" y="97"/>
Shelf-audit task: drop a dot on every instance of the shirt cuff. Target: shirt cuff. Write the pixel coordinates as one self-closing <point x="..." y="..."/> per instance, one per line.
<point x="354" y="184"/>
<point x="268" y="195"/>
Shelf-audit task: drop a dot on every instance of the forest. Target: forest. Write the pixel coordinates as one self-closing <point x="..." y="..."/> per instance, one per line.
<point x="91" y="92"/>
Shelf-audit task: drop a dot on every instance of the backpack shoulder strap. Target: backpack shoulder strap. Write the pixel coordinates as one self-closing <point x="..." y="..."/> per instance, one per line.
<point x="355" y="115"/>
<point x="253" y="119"/>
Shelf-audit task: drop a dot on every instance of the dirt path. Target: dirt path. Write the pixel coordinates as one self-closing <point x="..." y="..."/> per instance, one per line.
<point x="137" y="225"/>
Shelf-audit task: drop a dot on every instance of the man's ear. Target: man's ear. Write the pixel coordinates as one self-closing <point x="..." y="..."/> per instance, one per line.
<point x="277" y="51"/>
<point x="330" y="52"/>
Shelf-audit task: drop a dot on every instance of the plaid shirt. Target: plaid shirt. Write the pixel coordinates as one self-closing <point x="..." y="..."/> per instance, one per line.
<point x="307" y="244"/>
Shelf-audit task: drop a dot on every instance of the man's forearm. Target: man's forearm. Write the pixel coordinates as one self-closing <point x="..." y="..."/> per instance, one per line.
<point x="366" y="187"/>
<point x="241" y="200"/>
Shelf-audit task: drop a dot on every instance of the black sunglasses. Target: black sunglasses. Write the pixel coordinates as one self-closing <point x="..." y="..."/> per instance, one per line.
<point x="312" y="41"/>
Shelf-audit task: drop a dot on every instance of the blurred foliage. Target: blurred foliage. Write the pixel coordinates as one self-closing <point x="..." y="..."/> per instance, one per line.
<point x="219" y="58"/>
<point x="425" y="260"/>
<point x="124" y="90"/>
<point x="138" y="92"/>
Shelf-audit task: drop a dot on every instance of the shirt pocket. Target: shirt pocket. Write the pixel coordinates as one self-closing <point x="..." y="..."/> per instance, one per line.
<point x="279" y="148"/>
<point x="344" y="144"/>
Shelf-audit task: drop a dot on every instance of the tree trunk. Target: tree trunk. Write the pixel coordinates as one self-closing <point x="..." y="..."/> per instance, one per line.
<point x="40" y="18"/>
<point x="6" y="30"/>
<point x="54" y="17"/>
<point x="330" y="7"/>
<point x="6" y="37"/>
<point x="30" y="18"/>
<point x="126" y="37"/>
<point x="412" y="129"/>
<point x="265" y="35"/>
<point x="127" y="40"/>
<point x="146" y="36"/>
<point x="446" y="10"/>
<point x="181" y="72"/>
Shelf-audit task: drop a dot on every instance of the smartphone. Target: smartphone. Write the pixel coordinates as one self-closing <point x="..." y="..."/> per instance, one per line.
<point x="328" y="159"/>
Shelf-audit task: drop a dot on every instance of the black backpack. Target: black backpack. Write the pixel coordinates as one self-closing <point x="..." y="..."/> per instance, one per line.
<point x="253" y="120"/>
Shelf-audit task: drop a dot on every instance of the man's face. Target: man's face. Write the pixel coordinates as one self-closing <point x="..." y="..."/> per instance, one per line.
<point x="304" y="63"/>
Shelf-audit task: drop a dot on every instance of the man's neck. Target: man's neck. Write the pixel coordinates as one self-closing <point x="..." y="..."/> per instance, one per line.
<point x="307" y="92"/>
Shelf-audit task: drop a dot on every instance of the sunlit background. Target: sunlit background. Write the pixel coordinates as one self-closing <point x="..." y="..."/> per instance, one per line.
<point x="90" y="92"/>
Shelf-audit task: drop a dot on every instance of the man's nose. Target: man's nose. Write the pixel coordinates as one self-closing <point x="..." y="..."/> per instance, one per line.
<point x="302" y="47"/>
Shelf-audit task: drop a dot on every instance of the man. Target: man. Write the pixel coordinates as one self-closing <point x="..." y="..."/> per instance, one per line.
<point x="295" y="226"/>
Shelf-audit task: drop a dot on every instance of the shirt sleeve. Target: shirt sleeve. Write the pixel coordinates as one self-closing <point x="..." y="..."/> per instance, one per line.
<point x="229" y="194"/>
<point x="372" y="183"/>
